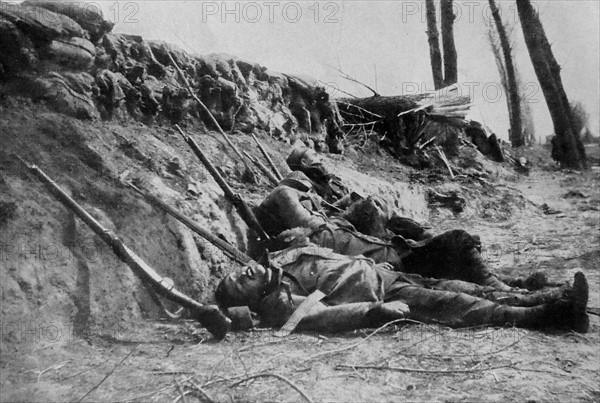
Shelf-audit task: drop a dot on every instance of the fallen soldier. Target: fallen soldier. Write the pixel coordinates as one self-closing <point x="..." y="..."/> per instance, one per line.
<point x="365" y="213"/>
<point x="293" y="211"/>
<point x="355" y="292"/>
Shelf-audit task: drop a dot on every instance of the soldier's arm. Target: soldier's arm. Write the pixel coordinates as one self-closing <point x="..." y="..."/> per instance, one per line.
<point x="294" y="213"/>
<point x="277" y="309"/>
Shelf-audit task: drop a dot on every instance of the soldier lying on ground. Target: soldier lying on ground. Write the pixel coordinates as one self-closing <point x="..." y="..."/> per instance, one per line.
<point x="357" y="209"/>
<point x="293" y="211"/>
<point x="359" y="293"/>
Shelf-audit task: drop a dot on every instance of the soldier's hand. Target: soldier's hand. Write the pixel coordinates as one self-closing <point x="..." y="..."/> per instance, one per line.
<point x="386" y="312"/>
<point x="385" y="265"/>
<point x="394" y="310"/>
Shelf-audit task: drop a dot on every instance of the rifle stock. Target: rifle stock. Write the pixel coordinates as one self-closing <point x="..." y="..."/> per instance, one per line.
<point x="208" y="315"/>
<point x="240" y="205"/>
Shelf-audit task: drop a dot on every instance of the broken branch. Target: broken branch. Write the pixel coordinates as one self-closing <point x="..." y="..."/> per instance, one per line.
<point x="281" y="378"/>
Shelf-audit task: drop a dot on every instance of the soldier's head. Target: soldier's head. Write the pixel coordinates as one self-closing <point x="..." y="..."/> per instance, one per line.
<point x="369" y="215"/>
<point x="307" y="160"/>
<point x="245" y="286"/>
<point x="302" y="157"/>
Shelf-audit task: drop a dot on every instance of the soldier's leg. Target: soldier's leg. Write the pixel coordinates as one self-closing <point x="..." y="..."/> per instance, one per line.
<point x="463" y="310"/>
<point x="408" y="228"/>
<point x="512" y="298"/>
<point x="452" y="255"/>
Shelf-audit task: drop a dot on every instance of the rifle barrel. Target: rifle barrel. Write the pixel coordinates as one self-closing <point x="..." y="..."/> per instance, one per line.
<point x="268" y="158"/>
<point x="263" y="169"/>
<point x="230" y="250"/>
<point x="242" y="208"/>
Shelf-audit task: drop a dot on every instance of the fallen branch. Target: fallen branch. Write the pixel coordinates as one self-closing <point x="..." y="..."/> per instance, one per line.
<point x="205" y="395"/>
<point x="361" y="124"/>
<point x="359" y="108"/>
<point x="445" y="160"/>
<point x="352" y="79"/>
<point x="423" y="371"/>
<point x="148" y="394"/>
<point x="339" y="350"/>
<point x="109" y="374"/>
<point x="281" y="378"/>
<point x="53" y="367"/>
<point x="172" y="373"/>
<point x="181" y="393"/>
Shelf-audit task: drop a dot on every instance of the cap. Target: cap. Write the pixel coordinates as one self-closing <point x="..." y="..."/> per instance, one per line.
<point x="297" y="180"/>
<point x="295" y="158"/>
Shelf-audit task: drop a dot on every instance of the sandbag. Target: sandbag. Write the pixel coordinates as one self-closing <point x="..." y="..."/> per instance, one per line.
<point x="40" y="24"/>
<point x="87" y="15"/>
<point x="64" y="97"/>
<point x="71" y="52"/>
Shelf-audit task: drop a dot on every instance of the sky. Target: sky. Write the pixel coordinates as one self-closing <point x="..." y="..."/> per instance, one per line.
<point x="380" y="43"/>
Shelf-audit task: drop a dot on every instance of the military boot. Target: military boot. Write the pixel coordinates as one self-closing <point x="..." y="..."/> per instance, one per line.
<point x="535" y="281"/>
<point x="568" y="311"/>
<point x="528" y="299"/>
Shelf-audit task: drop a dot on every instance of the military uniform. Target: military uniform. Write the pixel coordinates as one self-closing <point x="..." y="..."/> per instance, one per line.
<point x="452" y="255"/>
<point x="355" y="287"/>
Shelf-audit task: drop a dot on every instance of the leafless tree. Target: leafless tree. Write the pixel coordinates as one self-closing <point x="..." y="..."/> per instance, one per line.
<point x="449" y="74"/>
<point x="450" y="55"/>
<point x="567" y="147"/>
<point x="434" y="45"/>
<point x="510" y="85"/>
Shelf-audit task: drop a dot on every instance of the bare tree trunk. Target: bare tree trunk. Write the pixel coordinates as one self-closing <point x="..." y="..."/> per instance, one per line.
<point x="514" y="104"/>
<point x="434" y="45"/>
<point x="450" y="56"/>
<point x="567" y="147"/>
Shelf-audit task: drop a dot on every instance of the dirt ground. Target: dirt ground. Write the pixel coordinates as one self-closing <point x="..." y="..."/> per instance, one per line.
<point x="162" y="361"/>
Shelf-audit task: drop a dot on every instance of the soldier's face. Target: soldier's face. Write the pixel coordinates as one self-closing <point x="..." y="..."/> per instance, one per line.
<point x="310" y="158"/>
<point x="247" y="283"/>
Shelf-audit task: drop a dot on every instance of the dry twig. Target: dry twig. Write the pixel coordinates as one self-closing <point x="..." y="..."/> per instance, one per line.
<point x="423" y="371"/>
<point x="181" y="393"/>
<point x="281" y="378"/>
<point x="339" y="350"/>
<point x="205" y="395"/>
<point x="110" y="373"/>
<point x="352" y="79"/>
<point x="445" y="160"/>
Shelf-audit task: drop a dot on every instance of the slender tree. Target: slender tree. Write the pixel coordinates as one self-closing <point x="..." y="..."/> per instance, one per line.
<point x="513" y="99"/>
<point x="450" y="55"/>
<point x="567" y="147"/>
<point x="434" y="45"/>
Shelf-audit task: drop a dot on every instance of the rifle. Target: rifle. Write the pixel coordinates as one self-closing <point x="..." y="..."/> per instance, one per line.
<point x="263" y="169"/>
<point x="231" y="251"/>
<point x="209" y="316"/>
<point x="242" y="208"/>
<point x="264" y="152"/>
<point x="210" y="115"/>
